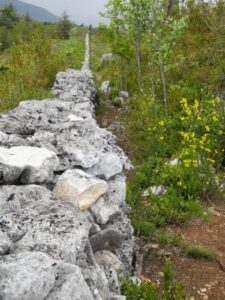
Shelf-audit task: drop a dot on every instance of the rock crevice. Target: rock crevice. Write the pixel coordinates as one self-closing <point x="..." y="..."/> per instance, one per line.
<point x="64" y="233"/>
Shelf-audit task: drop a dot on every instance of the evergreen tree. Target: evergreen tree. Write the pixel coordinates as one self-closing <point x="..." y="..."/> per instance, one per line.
<point x="64" y="27"/>
<point x="8" y="16"/>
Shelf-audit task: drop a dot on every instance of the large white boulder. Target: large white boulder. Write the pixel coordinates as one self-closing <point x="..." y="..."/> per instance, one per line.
<point x="30" y="164"/>
<point x="36" y="276"/>
<point x="108" y="166"/>
<point x="79" y="188"/>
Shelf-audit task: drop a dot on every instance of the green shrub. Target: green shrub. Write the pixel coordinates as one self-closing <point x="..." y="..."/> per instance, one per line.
<point x="172" y="290"/>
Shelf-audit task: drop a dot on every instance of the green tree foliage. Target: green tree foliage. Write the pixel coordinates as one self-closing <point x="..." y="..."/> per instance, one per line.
<point x="8" y="16"/>
<point x="30" y="56"/>
<point x="64" y="27"/>
<point x="167" y="56"/>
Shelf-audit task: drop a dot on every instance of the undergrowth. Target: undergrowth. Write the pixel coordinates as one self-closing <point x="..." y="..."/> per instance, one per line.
<point x="171" y="289"/>
<point x="186" y="249"/>
<point x="28" y="69"/>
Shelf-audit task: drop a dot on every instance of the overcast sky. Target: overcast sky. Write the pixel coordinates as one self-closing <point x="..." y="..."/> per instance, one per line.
<point x="80" y="11"/>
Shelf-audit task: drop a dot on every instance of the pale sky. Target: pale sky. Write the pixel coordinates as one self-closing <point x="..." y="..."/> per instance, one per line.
<point x="80" y="11"/>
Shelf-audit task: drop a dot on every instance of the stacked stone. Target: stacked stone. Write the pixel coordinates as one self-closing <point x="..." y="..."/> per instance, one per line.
<point x="64" y="233"/>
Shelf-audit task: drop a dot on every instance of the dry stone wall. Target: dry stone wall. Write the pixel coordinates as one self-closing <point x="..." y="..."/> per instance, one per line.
<point x="64" y="231"/>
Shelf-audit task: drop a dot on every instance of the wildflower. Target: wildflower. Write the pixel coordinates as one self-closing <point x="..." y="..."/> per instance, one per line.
<point x="183" y="101"/>
<point x="207" y="128"/>
<point x="182" y="118"/>
<point x="211" y="160"/>
<point x="188" y="111"/>
<point x="220" y="132"/>
<point x="161" y="123"/>
<point x="196" y="105"/>
<point x="179" y="183"/>
<point x="194" y="163"/>
<point x="186" y="162"/>
<point x="161" y="138"/>
<point x="217" y="100"/>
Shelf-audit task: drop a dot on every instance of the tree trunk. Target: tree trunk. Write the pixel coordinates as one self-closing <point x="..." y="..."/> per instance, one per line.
<point x="162" y="72"/>
<point x="138" y="51"/>
<point x="152" y="76"/>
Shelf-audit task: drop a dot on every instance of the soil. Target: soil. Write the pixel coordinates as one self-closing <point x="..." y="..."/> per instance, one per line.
<point x="203" y="279"/>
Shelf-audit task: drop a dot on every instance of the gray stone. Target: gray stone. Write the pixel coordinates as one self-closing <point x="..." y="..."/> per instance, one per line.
<point x="26" y="276"/>
<point x="30" y="164"/>
<point x="13" y="198"/>
<point x="97" y="281"/>
<point x="48" y="245"/>
<point x="104" y="210"/>
<point x="5" y="243"/>
<point x="108" y="259"/>
<point x="79" y="188"/>
<point x="107" y="239"/>
<point x="107" y="56"/>
<point x="69" y="284"/>
<point x="124" y="95"/>
<point x="56" y="228"/>
<point x="158" y="190"/>
<point x="105" y="87"/>
<point x="11" y="227"/>
<point x="108" y="166"/>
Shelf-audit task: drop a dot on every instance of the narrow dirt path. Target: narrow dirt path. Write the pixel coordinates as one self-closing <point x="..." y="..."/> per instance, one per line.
<point x="204" y="279"/>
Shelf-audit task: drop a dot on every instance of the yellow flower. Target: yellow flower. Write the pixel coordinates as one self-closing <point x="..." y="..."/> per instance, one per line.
<point x="161" y="138"/>
<point x="183" y="101"/>
<point x="182" y="118"/>
<point x="161" y="123"/>
<point x="185" y="135"/>
<point x="186" y="162"/>
<point x="220" y="132"/>
<point x="212" y="102"/>
<point x="195" y="163"/>
<point x="207" y="128"/>
<point x="211" y="160"/>
<point x="217" y="100"/>
<point x="215" y="119"/>
<point x="196" y="105"/>
<point x="179" y="183"/>
<point x="188" y="111"/>
<point x="199" y="118"/>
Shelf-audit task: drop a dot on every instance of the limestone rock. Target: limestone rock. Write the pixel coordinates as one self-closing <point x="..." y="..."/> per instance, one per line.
<point x="69" y="284"/>
<point x="107" y="258"/>
<point x="158" y="190"/>
<point x="124" y="95"/>
<point x="104" y="210"/>
<point x="26" y="276"/>
<point x="13" y="198"/>
<point x="107" y="56"/>
<point x="11" y="227"/>
<point x="79" y="188"/>
<point x="36" y="276"/>
<point x="105" y="87"/>
<point x="53" y="227"/>
<point x="5" y="243"/>
<point x="30" y="164"/>
<point x="108" y="166"/>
